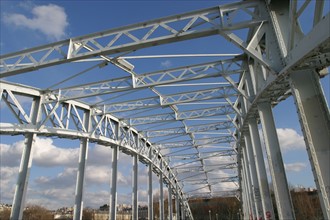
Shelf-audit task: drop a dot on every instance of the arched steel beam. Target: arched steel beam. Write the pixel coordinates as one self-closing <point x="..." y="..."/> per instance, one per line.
<point x="75" y="129"/>
<point x="200" y="23"/>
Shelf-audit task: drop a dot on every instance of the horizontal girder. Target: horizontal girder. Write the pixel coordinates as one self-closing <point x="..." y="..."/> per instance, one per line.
<point x="224" y="125"/>
<point x="183" y="115"/>
<point x="139" y="81"/>
<point x="200" y="23"/>
<point x="217" y="93"/>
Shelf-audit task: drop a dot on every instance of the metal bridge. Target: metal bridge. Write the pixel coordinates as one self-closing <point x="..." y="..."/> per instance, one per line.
<point x="184" y="122"/>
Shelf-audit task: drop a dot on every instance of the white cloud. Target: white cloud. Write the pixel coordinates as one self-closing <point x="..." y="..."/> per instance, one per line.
<point x="294" y="167"/>
<point x="166" y="63"/>
<point x="45" y="154"/>
<point x="51" y="197"/>
<point x="64" y="179"/>
<point x="8" y="176"/>
<point x="49" y="19"/>
<point x="96" y="174"/>
<point x="97" y="199"/>
<point x="11" y="154"/>
<point x="290" y="139"/>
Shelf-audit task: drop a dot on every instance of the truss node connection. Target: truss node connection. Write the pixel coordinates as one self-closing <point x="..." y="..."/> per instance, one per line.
<point x="194" y="125"/>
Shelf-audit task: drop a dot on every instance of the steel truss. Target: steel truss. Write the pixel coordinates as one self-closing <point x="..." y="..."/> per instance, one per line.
<point x="186" y="147"/>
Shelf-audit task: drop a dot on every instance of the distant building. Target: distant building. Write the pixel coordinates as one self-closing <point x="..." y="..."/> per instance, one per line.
<point x="124" y="212"/>
<point x="64" y="213"/>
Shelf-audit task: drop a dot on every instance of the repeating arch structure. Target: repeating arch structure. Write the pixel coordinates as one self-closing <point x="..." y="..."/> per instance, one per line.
<point x="185" y="123"/>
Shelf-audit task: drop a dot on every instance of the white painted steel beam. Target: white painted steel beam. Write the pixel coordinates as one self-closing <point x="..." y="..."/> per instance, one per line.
<point x="197" y="142"/>
<point x="104" y="136"/>
<point x="83" y="154"/>
<point x="150" y="189"/>
<point x="314" y="118"/>
<point x="25" y="165"/>
<point x="170" y="206"/>
<point x="275" y="161"/>
<point x="249" y="186"/>
<point x="161" y="196"/>
<point x="200" y="129"/>
<point x="171" y="99"/>
<point x="201" y="113"/>
<point x="140" y="81"/>
<point x="135" y="174"/>
<point x="268" y="210"/>
<point x="316" y="40"/>
<point x="198" y="24"/>
<point x="113" y="191"/>
<point x="248" y="212"/>
<point x="78" y="206"/>
<point x="23" y="178"/>
<point x="254" y="179"/>
<point x="177" y="204"/>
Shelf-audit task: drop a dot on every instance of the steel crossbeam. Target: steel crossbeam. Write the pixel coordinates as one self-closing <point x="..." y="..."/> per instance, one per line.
<point x="200" y="170"/>
<point x="71" y="116"/>
<point x="217" y="93"/>
<point x="212" y="69"/>
<point x="210" y="195"/>
<point x="193" y="72"/>
<point x="183" y="115"/>
<point x="173" y="99"/>
<point x="203" y="128"/>
<point x="218" y="180"/>
<point x="197" y="142"/>
<point x="198" y="24"/>
<point x="222" y="125"/>
<point x="204" y="155"/>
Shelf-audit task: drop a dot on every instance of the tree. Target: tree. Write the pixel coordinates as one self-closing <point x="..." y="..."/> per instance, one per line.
<point x="306" y="204"/>
<point x="223" y="207"/>
<point x="5" y="214"/>
<point x="36" y="212"/>
<point x="87" y="214"/>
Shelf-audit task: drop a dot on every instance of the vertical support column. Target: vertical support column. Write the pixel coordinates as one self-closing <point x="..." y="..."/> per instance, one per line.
<point x="78" y="206"/>
<point x="25" y="165"/>
<point x="135" y="207"/>
<point x="150" y="196"/>
<point x="266" y="200"/>
<point x="315" y="123"/>
<point x="161" y="193"/>
<point x="23" y="178"/>
<point x="281" y="190"/>
<point x="177" y="203"/>
<point x="249" y="198"/>
<point x="246" y="202"/>
<point x="254" y="178"/>
<point x="240" y="180"/>
<point x="83" y="154"/>
<point x="183" y="213"/>
<point x="113" y="195"/>
<point x="170" y="207"/>
<point x="248" y="185"/>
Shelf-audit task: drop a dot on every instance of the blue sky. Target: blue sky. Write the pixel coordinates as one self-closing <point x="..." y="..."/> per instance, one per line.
<point x="52" y="178"/>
